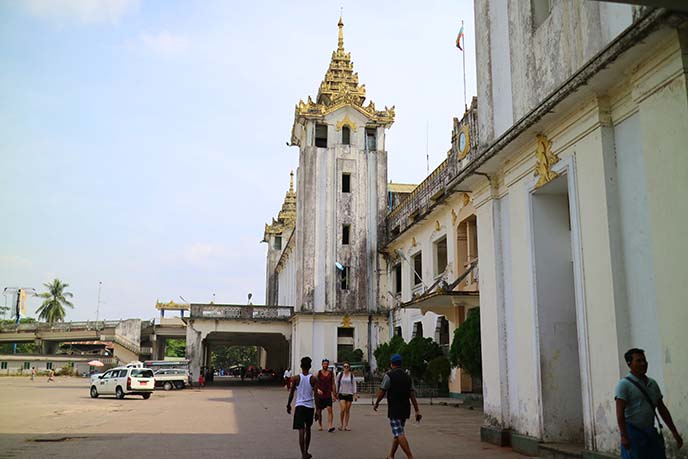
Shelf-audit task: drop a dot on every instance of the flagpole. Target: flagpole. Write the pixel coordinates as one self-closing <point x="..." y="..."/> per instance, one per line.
<point x="463" y="53"/>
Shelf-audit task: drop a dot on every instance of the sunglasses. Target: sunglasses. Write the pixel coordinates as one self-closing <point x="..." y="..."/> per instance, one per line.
<point x="346" y="366"/>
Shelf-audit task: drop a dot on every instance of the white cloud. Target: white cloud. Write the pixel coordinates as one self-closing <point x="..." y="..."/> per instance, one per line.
<point x="164" y="43"/>
<point x="86" y="11"/>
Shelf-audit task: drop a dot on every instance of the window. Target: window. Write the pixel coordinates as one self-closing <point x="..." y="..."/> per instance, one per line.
<point x="540" y="10"/>
<point x="48" y="365"/>
<point x="346" y="135"/>
<point x="417" y="263"/>
<point x="27" y="365"/>
<point x="396" y="278"/>
<point x="344" y="278"/>
<point x="278" y="243"/>
<point x="345" y="343"/>
<point x="442" y="331"/>
<point x="397" y="331"/>
<point x="346" y="229"/>
<point x="3" y="365"/>
<point x="141" y="373"/>
<point x="346" y="183"/>
<point x="371" y="139"/>
<point x="418" y="330"/>
<point x="440" y="256"/>
<point x="321" y="135"/>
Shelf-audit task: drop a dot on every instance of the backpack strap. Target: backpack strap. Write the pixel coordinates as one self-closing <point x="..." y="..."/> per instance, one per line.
<point x="647" y="398"/>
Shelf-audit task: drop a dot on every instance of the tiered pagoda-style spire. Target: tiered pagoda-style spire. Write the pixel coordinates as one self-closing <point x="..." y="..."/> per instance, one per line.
<point x="340" y="87"/>
<point x="286" y="218"/>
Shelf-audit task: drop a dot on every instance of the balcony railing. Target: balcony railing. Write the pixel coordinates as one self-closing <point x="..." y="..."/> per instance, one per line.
<point x="60" y="326"/>
<point x="240" y="312"/>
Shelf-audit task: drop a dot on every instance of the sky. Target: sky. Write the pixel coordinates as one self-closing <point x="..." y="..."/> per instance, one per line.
<point x="143" y="143"/>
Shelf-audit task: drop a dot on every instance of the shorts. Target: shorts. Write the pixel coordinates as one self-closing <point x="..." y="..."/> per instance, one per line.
<point x="324" y="402"/>
<point x="397" y="426"/>
<point x="346" y="397"/>
<point x="303" y="417"/>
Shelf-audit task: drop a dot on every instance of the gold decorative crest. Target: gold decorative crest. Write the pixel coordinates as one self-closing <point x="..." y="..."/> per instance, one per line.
<point x="346" y="122"/>
<point x="346" y="321"/>
<point x="545" y="160"/>
<point x="454" y="217"/>
<point x="340" y="88"/>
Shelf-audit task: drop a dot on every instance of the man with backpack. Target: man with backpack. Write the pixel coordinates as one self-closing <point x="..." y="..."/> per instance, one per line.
<point x="637" y="396"/>
<point x="398" y="386"/>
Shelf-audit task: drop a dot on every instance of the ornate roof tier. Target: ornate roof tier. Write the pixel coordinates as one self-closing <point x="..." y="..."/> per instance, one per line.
<point x="339" y="88"/>
<point x="286" y="218"/>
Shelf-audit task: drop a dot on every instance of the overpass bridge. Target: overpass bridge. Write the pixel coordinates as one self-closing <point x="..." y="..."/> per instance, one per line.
<point x="215" y="325"/>
<point x="124" y="334"/>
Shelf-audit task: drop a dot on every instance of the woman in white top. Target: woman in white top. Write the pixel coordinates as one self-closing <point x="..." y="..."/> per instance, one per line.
<point x="346" y="393"/>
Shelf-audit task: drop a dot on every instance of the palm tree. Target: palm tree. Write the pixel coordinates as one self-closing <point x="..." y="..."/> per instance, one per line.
<point x="52" y="310"/>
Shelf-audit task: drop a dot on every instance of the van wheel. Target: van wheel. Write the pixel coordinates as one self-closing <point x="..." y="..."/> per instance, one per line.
<point x="145" y="396"/>
<point x="179" y="385"/>
<point x="119" y="393"/>
<point x="167" y="386"/>
<point x="94" y="392"/>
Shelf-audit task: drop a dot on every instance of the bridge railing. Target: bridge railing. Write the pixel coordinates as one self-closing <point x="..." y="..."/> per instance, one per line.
<point x="60" y="326"/>
<point x="240" y="312"/>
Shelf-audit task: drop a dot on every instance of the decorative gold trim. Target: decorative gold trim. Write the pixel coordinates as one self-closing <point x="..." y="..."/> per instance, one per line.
<point x="454" y="217"/>
<point x="346" y="321"/>
<point x="346" y="122"/>
<point x="465" y="130"/>
<point x="438" y="226"/>
<point x="545" y="160"/>
<point x="466" y="199"/>
<point x="413" y="242"/>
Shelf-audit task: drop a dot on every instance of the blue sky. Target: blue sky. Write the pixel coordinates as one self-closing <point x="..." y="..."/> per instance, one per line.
<point x="142" y="143"/>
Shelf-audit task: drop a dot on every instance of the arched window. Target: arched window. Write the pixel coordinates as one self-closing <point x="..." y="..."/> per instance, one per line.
<point x="346" y="135"/>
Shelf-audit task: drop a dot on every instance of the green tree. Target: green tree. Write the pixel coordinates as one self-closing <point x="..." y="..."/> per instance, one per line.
<point x="226" y="356"/>
<point x="418" y="353"/>
<point x="437" y="372"/>
<point x="52" y="310"/>
<point x="465" y="349"/>
<point x="355" y="355"/>
<point x="384" y="351"/>
<point x="175" y="348"/>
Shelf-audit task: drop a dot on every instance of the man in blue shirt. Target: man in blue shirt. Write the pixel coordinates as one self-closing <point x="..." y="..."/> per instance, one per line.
<point x="637" y="396"/>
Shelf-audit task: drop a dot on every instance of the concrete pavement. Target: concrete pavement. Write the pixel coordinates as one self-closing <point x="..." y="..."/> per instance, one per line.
<point x="60" y="420"/>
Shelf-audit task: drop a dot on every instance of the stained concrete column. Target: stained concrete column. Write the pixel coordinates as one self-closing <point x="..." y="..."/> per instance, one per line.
<point x="195" y="343"/>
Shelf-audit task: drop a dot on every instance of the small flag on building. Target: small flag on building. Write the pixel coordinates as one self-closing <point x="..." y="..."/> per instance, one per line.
<point x="459" y="38"/>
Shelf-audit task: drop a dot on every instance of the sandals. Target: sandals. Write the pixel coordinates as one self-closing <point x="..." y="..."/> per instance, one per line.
<point x="331" y="429"/>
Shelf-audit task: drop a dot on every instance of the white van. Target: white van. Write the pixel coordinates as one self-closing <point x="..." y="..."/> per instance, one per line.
<point x="123" y="381"/>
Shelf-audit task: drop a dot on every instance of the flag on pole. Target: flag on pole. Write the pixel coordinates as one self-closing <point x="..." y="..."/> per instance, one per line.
<point x="460" y="38"/>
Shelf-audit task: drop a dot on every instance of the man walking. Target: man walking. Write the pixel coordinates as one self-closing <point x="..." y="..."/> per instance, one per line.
<point x="304" y="385"/>
<point x="326" y="390"/>
<point x="399" y="389"/>
<point x="637" y="396"/>
<point x="287" y="378"/>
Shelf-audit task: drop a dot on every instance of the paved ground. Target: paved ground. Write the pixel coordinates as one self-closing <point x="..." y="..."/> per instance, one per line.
<point x="60" y="420"/>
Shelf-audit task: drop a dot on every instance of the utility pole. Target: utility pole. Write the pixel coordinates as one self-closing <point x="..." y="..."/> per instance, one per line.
<point x="100" y="284"/>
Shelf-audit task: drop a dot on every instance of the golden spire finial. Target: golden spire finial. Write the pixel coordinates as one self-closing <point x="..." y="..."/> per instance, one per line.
<point x="291" y="182"/>
<point x="340" y="42"/>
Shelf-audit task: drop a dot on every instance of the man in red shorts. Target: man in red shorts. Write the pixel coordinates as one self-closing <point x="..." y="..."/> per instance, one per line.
<point x="325" y="395"/>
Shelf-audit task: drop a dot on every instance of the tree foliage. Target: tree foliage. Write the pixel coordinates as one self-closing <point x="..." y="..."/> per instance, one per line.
<point x="226" y="356"/>
<point x="418" y="353"/>
<point x="175" y="348"/>
<point x="53" y="308"/>
<point x="352" y="356"/>
<point x="384" y="351"/>
<point x="465" y="349"/>
<point x="438" y="371"/>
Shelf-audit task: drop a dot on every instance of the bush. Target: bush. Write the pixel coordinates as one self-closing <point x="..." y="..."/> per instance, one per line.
<point x="67" y="370"/>
<point x="438" y="371"/>
<point x="465" y="349"/>
<point x="352" y="356"/>
<point x="384" y="351"/>
<point x="418" y="353"/>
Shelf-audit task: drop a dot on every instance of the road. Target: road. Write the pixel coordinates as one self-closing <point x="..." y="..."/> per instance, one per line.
<point x="60" y="420"/>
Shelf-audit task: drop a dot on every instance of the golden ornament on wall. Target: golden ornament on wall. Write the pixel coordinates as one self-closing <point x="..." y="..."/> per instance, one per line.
<point x="346" y="322"/>
<point x="437" y="225"/>
<point x="454" y="217"/>
<point x="346" y="122"/>
<point x="545" y="160"/>
<point x="466" y="199"/>
<point x="413" y="242"/>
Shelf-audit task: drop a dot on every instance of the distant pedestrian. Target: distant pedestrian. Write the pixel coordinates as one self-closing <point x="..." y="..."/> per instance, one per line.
<point x="304" y="385"/>
<point x="287" y="378"/>
<point x="51" y="376"/>
<point x="33" y="373"/>
<point x="346" y="393"/>
<point x="201" y="379"/>
<point x="325" y="395"/>
<point x="637" y="396"/>
<point x="399" y="389"/>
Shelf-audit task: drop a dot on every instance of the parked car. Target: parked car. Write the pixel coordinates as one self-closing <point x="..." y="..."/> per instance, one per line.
<point x="171" y="378"/>
<point x="123" y="381"/>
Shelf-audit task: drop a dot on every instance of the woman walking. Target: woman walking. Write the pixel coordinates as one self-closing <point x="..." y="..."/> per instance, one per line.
<point x="347" y="392"/>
